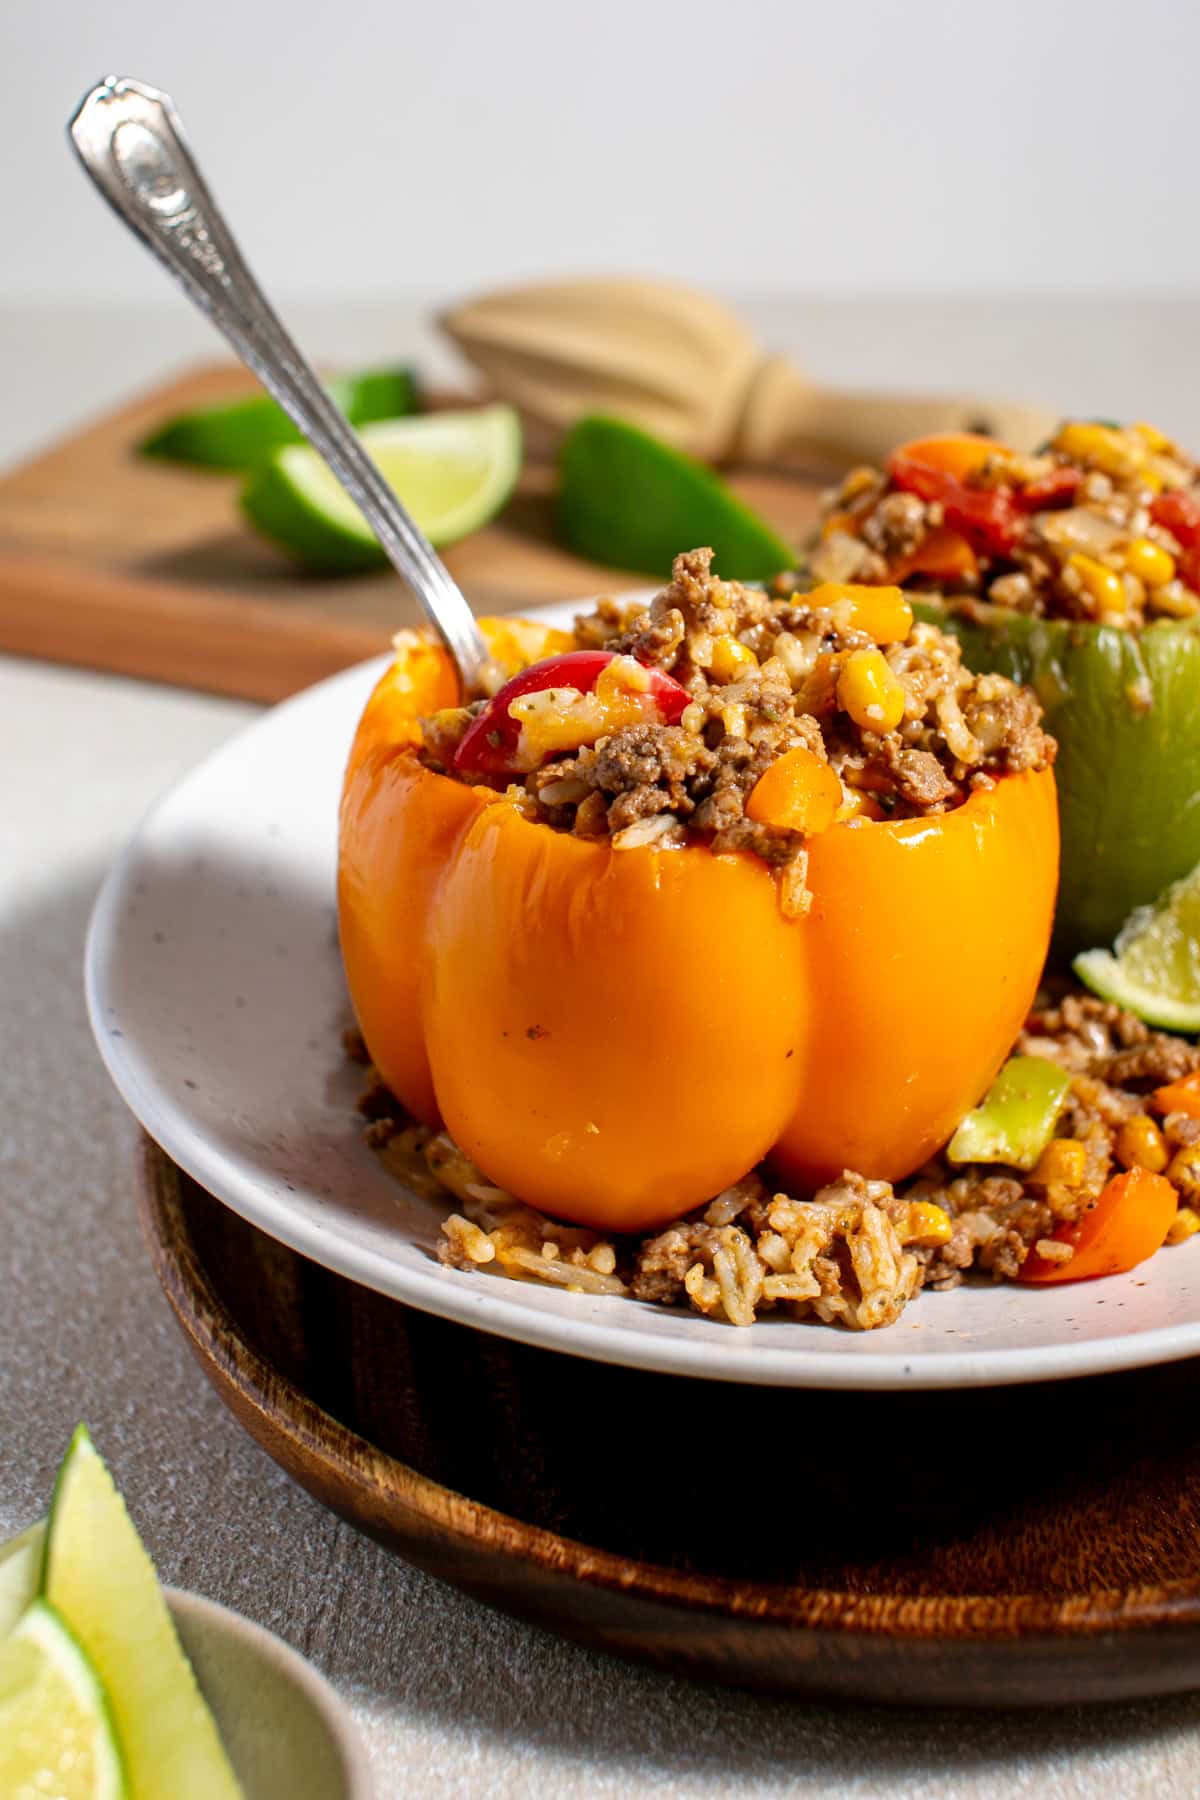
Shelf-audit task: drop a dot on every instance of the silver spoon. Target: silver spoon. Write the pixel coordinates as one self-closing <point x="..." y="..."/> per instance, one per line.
<point x="130" y="140"/>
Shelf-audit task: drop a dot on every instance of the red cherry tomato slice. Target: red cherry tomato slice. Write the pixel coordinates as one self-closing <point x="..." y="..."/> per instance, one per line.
<point x="489" y="745"/>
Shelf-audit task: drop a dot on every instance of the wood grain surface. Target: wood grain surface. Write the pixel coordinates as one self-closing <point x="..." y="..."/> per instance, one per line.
<point x="1031" y="1545"/>
<point x="115" y="561"/>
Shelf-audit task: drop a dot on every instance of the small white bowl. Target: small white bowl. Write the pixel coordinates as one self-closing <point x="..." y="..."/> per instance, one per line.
<point x="288" y="1735"/>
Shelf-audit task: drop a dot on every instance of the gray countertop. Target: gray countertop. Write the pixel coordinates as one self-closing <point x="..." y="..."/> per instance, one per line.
<point x="452" y="1698"/>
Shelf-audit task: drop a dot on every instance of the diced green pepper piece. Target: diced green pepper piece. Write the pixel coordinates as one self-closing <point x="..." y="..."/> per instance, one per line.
<point x="1017" y="1116"/>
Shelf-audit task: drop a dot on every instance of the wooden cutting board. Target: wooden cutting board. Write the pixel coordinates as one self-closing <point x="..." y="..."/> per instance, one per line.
<point x="114" y="561"/>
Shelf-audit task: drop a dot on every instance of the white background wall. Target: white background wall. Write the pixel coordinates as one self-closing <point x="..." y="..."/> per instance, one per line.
<point x="770" y="145"/>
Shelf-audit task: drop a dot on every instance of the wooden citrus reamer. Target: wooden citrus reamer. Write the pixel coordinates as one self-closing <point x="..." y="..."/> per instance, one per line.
<point x="686" y="368"/>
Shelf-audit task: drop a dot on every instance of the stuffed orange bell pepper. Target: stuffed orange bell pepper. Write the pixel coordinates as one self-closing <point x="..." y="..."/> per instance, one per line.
<point x="617" y="1034"/>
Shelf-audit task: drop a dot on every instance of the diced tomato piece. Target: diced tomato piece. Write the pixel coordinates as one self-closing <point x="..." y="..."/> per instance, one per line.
<point x="1056" y="488"/>
<point x="1178" y="511"/>
<point x="987" y="517"/>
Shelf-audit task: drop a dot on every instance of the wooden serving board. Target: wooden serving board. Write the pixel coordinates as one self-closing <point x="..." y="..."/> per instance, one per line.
<point x="990" y="1547"/>
<point x="119" y="562"/>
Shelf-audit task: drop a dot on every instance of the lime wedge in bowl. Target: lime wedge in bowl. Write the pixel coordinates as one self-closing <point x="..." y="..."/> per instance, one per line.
<point x="453" y="471"/>
<point x="630" y="501"/>
<point x="244" y="433"/>
<point x="56" y="1729"/>
<point x="1153" y="969"/>
<point x="100" y="1580"/>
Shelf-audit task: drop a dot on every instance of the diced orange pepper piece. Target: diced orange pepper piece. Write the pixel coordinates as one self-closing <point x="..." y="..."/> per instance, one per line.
<point x="798" y="792"/>
<point x="957" y="453"/>
<point x="882" y="612"/>
<point x="1128" y="1223"/>
<point x="942" y="554"/>
<point x="1182" y="1096"/>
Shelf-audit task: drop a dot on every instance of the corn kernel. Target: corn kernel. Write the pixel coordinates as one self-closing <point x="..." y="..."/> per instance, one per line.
<point x="623" y="675"/>
<point x="1183" y="1171"/>
<point x="1184" y="1225"/>
<point x="870" y="693"/>
<point x="1156" y="439"/>
<point x="1104" y="585"/>
<point x="1140" y="1145"/>
<point x="730" y="659"/>
<point x="925" y="1224"/>
<point x="1063" y="1162"/>
<point x="861" y="478"/>
<point x="1101" y="446"/>
<point x="1175" y="600"/>
<point x="1149" y="562"/>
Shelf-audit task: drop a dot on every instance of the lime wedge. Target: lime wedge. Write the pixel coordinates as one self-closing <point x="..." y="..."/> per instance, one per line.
<point x="1154" y="966"/>
<point x="630" y="501"/>
<point x="453" y="471"/>
<point x="100" y="1579"/>
<point x="246" y="432"/>
<point x="56" y="1730"/>
<point x="20" y="1574"/>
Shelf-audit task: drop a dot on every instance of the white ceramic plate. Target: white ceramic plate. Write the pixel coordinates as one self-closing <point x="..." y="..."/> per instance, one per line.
<point x="217" y="1000"/>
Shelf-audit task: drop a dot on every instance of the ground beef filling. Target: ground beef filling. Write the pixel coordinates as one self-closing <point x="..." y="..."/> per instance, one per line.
<point x="764" y="676"/>
<point x="858" y="1251"/>
<point x="1103" y="526"/>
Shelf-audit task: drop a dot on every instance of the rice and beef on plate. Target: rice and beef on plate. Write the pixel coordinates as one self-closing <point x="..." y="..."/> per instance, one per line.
<point x="857" y="1251"/>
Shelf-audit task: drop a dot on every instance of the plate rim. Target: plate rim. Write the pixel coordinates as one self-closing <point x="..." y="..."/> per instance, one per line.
<point x="477" y="1303"/>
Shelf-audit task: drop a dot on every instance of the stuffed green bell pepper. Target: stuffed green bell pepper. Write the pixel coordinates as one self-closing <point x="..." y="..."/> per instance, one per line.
<point x="1076" y="570"/>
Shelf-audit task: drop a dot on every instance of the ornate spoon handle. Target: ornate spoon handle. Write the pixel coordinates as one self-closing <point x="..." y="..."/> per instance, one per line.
<point x="130" y="140"/>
